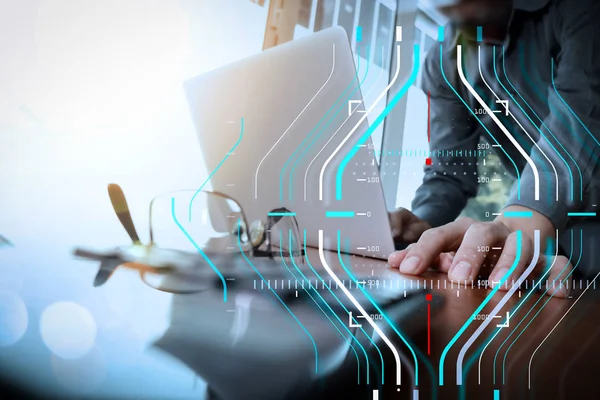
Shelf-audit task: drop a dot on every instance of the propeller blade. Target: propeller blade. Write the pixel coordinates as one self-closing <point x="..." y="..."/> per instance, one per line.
<point x="119" y="203"/>
<point x="107" y="267"/>
<point x="4" y="241"/>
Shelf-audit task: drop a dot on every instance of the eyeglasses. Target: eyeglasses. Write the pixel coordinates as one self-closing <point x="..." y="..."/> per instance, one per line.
<point x="195" y="234"/>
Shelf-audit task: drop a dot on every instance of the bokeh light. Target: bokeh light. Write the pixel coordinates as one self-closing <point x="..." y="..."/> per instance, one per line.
<point x="13" y="318"/>
<point x="68" y="329"/>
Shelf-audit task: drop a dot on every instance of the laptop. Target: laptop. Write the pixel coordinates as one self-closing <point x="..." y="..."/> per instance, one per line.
<point x="275" y="128"/>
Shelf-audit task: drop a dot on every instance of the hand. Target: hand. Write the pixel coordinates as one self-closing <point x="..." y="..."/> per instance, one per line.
<point x="460" y="249"/>
<point x="406" y="226"/>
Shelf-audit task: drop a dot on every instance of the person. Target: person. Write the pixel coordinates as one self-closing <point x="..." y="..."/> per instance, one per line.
<point x="539" y="57"/>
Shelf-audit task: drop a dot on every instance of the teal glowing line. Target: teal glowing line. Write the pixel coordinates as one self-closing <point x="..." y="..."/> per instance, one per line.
<point x="319" y="307"/>
<point x="544" y="305"/>
<point x="530" y="120"/>
<point x="440" y="33"/>
<point x="281" y="301"/>
<point x="359" y="33"/>
<point x="496" y="394"/>
<point x="568" y="107"/>
<point x="476" y="354"/>
<point x="344" y="307"/>
<point x="480" y="34"/>
<point x="379" y="309"/>
<point x="379" y="120"/>
<point x="342" y="107"/>
<point x="518" y="214"/>
<point x="481" y="306"/>
<point x="523" y="302"/>
<point x="544" y="98"/>
<point x="215" y="170"/>
<point x="221" y="277"/>
<point x="482" y="125"/>
<point x="281" y="214"/>
<point x="323" y="300"/>
<point x="339" y="214"/>
<point x="355" y="77"/>
<point x="581" y="214"/>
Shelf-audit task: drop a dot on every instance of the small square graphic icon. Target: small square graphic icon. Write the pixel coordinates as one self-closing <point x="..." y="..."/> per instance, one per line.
<point x="428" y="297"/>
<point x="428" y="161"/>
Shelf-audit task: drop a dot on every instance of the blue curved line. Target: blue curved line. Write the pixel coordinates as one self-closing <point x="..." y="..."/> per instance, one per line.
<point x="543" y="305"/>
<point x="481" y="306"/>
<point x="523" y="302"/>
<point x="323" y="311"/>
<point x="482" y="125"/>
<point x="570" y="109"/>
<point x="215" y="170"/>
<point x="281" y="301"/>
<point x="491" y="337"/>
<point x="323" y="300"/>
<point x="221" y="277"/>
<point x="318" y="135"/>
<point x="544" y="98"/>
<point x="524" y="113"/>
<point x="544" y="124"/>
<point x="355" y="77"/>
<point x="379" y="120"/>
<point x="380" y="311"/>
<point x="345" y="309"/>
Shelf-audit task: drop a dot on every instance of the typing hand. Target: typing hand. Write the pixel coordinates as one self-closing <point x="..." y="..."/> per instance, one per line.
<point x="462" y="249"/>
<point x="406" y="227"/>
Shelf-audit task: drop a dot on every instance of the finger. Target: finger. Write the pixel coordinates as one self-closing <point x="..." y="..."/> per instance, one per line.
<point x="432" y="243"/>
<point x="508" y="267"/>
<point x="469" y="256"/>
<point x="445" y="262"/>
<point x="559" y="278"/>
<point x="396" y="258"/>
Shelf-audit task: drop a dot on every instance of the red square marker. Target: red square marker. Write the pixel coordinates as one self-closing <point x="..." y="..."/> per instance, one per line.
<point x="428" y="161"/>
<point x="428" y="297"/>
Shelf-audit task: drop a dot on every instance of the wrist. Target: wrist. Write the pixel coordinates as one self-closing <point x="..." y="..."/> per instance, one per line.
<point x="527" y="220"/>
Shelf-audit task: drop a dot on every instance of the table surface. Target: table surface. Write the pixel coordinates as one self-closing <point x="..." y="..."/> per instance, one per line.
<point x="564" y="366"/>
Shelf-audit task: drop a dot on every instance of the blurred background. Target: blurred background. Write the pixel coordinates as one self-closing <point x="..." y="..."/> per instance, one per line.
<point x="91" y="93"/>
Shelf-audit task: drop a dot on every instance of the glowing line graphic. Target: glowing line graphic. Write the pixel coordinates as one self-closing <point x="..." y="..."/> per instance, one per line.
<point x="501" y="303"/>
<point x="215" y="170"/>
<point x="550" y="333"/>
<point x="516" y="309"/>
<point x="324" y="313"/>
<point x="541" y="120"/>
<point x="281" y="301"/>
<point x="344" y="307"/>
<point x="360" y="308"/>
<point x="341" y="107"/>
<point x="481" y="306"/>
<point x="401" y="93"/>
<point x="289" y="127"/>
<point x="480" y="123"/>
<point x="343" y="123"/>
<point x="540" y="310"/>
<point x="516" y="120"/>
<point x="383" y="93"/>
<point x="536" y="176"/>
<point x="187" y="235"/>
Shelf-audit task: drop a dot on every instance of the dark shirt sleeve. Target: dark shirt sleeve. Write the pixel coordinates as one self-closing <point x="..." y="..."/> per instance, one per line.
<point x="574" y="103"/>
<point x="451" y="179"/>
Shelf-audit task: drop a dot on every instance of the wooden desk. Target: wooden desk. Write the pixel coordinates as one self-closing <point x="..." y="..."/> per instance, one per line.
<point x="566" y="365"/>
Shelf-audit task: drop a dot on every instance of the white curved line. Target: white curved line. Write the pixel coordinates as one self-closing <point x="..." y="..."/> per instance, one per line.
<point x="288" y="128"/>
<point x="550" y="333"/>
<point x="358" y="124"/>
<point x="501" y="303"/>
<point x="343" y="123"/>
<point x="517" y="121"/>
<point x="359" y="307"/>
<point x="536" y="176"/>
<point x="497" y="332"/>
